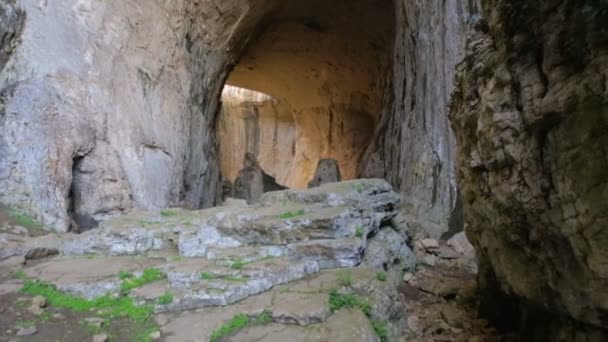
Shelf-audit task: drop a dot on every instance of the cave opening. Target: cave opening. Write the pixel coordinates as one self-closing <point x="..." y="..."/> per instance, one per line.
<point x="309" y="87"/>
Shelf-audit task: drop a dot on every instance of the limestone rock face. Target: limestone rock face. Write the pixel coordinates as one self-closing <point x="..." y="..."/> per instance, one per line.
<point x="328" y="171"/>
<point x="95" y="107"/>
<point x="531" y="120"/>
<point x="413" y="147"/>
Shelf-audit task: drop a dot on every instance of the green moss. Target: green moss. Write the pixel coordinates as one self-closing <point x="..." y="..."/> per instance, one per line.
<point x="150" y="275"/>
<point x="345" y="278"/>
<point x="359" y="232"/>
<point x="168" y="213"/>
<point x="239" y="322"/>
<point x="292" y="214"/>
<point x="381" y="276"/>
<point x="165" y="299"/>
<point x="381" y="329"/>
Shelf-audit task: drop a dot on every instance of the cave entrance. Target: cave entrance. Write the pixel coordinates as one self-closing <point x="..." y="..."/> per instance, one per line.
<point x="309" y="87"/>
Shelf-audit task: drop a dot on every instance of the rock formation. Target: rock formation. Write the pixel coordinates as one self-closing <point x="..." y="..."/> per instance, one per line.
<point x="111" y="107"/>
<point x="328" y="171"/>
<point x="531" y="118"/>
<point x="413" y="147"/>
<point x="253" y="182"/>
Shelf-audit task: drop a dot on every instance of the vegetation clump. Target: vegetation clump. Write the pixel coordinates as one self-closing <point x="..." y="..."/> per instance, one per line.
<point x="238" y="322"/>
<point x="131" y="282"/>
<point x="165" y="299"/>
<point x="381" y="276"/>
<point x="345" y="278"/>
<point x="292" y="214"/>
<point x="168" y="213"/>
<point x="338" y="301"/>
<point x="359" y="232"/>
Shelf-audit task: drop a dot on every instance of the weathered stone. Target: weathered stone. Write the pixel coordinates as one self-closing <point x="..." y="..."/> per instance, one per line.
<point x="22" y="332"/>
<point x="94" y="321"/>
<point x="101" y="338"/>
<point x="461" y="244"/>
<point x="253" y="182"/>
<point x="388" y="249"/>
<point x="328" y="171"/>
<point x="413" y="146"/>
<point x="530" y="119"/>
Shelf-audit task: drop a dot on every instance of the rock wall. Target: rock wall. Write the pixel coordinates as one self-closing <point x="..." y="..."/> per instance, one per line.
<point x="95" y="112"/>
<point x="413" y="146"/>
<point x="531" y="120"/>
<point x="327" y="62"/>
<point x="111" y="105"/>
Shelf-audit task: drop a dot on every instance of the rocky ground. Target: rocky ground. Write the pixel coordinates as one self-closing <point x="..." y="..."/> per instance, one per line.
<point x="324" y="264"/>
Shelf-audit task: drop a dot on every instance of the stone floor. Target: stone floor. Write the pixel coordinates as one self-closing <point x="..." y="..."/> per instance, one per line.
<point x="317" y="265"/>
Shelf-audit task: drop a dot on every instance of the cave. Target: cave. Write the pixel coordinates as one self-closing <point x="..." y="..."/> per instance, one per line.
<point x="470" y="138"/>
<point x="323" y="68"/>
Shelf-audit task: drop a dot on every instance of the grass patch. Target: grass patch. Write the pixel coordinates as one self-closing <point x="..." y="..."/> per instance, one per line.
<point x="165" y="299"/>
<point x="208" y="276"/>
<point x="112" y="306"/>
<point x="238" y="322"/>
<point x="359" y="232"/>
<point x="150" y="275"/>
<point x="381" y="276"/>
<point x="338" y="301"/>
<point x="24" y="220"/>
<point x="168" y="213"/>
<point x="292" y="214"/>
<point x="107" y="307"/>
<point x="381" y="329"/>
<point x="345" y="278"/>
<point x="238" y="264"/>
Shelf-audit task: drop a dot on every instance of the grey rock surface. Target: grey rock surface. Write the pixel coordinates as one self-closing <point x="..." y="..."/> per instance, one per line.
<point x="530" y="115"/>
<point x="414" y="147"/>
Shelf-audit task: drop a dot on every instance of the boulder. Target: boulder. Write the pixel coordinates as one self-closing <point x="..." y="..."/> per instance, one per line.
<point x="328" y="171"/>
<point x="253" y="182"/>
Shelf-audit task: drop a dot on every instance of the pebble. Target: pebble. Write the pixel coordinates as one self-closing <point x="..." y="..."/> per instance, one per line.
<point x="100" y="338"/>
<point x="429" y="244"/>
<point x="39" y="301"/>
<point x="27" y="331"/>
<point x="155" y="335"/>
<point x="407" y="277"/>
<point x="94" y="321"/>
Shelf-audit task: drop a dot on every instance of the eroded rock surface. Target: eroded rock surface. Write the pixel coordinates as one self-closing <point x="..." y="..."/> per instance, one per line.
<point x="531" y="119"/>
<point x="285" y="257"/>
